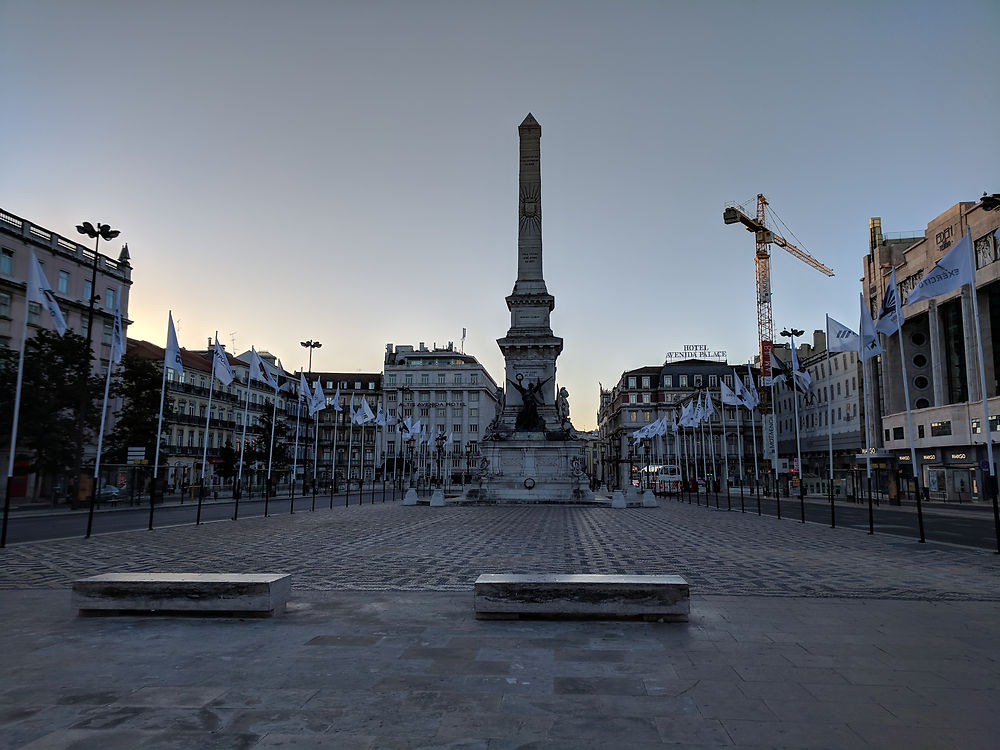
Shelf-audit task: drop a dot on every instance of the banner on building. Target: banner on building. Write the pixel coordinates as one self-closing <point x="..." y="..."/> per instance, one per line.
<point x="766" y="347"/>
<point x="770" y="437"/>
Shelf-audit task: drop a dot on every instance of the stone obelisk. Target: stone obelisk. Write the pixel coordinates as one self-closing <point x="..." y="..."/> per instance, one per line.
<point x="531" y="453"/>
<point x="529" y="348"/>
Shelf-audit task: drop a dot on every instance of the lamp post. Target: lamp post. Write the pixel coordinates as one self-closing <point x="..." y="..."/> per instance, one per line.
<point x="409" y="459"/>
<point x="310" y="345"/>
<point x="98" y="233"/>
<point x="791" y="333"/>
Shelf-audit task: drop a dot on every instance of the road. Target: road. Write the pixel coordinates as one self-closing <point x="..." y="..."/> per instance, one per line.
<point x="31" y="526"/>
<point x="970" y="526"/>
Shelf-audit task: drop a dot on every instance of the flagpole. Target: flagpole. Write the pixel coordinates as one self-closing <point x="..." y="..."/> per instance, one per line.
<point x="987" y="433"/>
<point x="725" y="443"/>
<point x="100" y="444"/>
<point x="208" y="422"/>
<point x="829" y="421"/>
<point x="350" y="452"/>
<point x="865" y="364"/>
<point x="243" y="444"/>
<point x="798" y="443"/>
<point x="333" y="459"/>
<point x="13" y="426"/>
<point x="156" y="461"/>
<point x="295" y="456"/>
<point x="315" y="455"/>
<point x="909" y="424"/>
<point x="270" y="452"/>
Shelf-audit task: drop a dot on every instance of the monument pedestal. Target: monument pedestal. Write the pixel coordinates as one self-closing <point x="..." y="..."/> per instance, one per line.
<point x="529" y="468"/>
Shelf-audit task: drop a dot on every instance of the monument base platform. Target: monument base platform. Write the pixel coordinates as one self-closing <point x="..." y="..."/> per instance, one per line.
<point x="530" y="467"/>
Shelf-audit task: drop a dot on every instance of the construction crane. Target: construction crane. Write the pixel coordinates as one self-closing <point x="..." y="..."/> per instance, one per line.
<point x="762" y="265"/>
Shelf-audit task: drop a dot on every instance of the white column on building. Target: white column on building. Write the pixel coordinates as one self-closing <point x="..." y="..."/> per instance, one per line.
<point x="937" y="363"/>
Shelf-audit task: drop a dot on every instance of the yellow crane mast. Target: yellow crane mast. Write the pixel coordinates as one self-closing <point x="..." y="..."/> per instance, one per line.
<point x="762" y="266"/>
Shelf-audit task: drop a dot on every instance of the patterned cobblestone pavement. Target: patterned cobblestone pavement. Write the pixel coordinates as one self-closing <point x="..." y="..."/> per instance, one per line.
<point x="394" y="548"/>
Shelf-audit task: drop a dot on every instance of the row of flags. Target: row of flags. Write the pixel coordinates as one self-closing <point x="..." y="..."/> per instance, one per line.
<point x="694" y="412"/>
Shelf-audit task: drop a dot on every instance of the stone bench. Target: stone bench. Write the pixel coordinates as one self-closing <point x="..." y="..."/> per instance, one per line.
<point x="193" y="594"/>
<point x="606" y="597"/>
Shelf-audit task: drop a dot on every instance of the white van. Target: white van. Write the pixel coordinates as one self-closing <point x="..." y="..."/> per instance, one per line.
<point x="668" y="481"/>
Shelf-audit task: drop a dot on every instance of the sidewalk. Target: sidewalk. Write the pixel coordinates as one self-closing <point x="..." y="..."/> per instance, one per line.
<point x="800" y="636"/>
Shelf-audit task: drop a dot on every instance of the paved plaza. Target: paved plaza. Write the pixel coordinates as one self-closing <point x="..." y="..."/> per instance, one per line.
<point x="799" y="636"/>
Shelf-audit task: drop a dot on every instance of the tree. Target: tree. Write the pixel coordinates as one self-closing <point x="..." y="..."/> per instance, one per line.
<point x="138" y="384"/>
<point x="56" y="388"/>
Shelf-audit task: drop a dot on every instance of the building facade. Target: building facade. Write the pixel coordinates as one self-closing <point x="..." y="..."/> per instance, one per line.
<point x="646" y="394"/>
<point x="447" y="391"/>
<point x="939" y="341"/>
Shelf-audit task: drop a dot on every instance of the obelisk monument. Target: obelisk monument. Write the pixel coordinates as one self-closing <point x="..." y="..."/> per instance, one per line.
<point x="531" y="451"/>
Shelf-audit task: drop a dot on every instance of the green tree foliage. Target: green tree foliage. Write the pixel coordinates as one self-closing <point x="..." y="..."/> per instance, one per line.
<point x="138" y="384"/>
<point x="56" y="382"/>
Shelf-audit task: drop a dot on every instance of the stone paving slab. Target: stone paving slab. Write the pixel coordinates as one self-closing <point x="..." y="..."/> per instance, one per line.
<point x="799" y="636"/>
<point x="395" y="548"/>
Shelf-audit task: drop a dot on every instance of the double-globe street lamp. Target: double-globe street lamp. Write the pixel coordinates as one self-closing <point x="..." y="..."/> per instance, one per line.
<point x="791" y="333"/>
<point x="98" y="233"/>
<point x="310" y="345"/>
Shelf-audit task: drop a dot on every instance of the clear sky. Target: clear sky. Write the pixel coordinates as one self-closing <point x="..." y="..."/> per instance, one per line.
<point x="347" y="171"/>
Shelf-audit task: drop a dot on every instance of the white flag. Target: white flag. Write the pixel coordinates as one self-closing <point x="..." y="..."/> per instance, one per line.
<point x="259" y="372"/>
<point x="317" y="402"/>
<point x="729" y="396"/>
<point x="39" y="291"/>
<point x="840" y="338"/>
<point x="753" y="397"/>
<point x="336" y="400"/>
<point x="220" y="365"/>
<point x="709" y="407"/>
<point x="869" y="339"/>
<point x="948" y="274"/>
<point x="450" y="438"/>
<point x="172" y="354"/>
<point x="367" y="415"/>
<point x="304" y="390"/>
<point x="380" y="419"/>
<point x="117" y="337"/>
<point x="890" y="315"/>
<point x="802" y="378"/>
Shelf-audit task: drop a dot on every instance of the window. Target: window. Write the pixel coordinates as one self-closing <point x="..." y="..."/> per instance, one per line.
<point x="713" y="381"/>
<point x="441" y="395"/>
<point x="897" y="433"/>
<point x="474" y="411"/>
<point x="425" y="412"/>
<point x="473" y="428"/>
<point x="646" y="416"/>
<point x="474" y="378"/>
<point x="7" y="262"/>
<point x="106" y="336"/>
<point x="697" y="381"/>
<point x="645" y="398"/>
<point x="441" y="412"/>
<point x="357" y="385"/>
<point x="109" y="300"/>
<point x="633" y="416"/>
<point x="88" y="290"/>
<point x="425" y="397"/>
<point x="633" y="398"/>
<point x="456" y="428"/>
<point x="631" y="382"/>
<point x="458" y="378"/>
<point x="63" y="283"/>
<point x="408" y="378"/>
<point x="645" y="381"/>
<point x="441" y="377"/>
<point x="682" y="381"/>
<point x="391" y="397"/>
<point x="407" y="395"/>
<point x="4" y="303"/>
<point x="391" y="379"/>
<point x="920" y="430"/>
<point x="668" y="381"/>
<point x="838" y="389"/>
<point x="473" y="396"/>
<point x="390" y="447"/>
<point x="392" y="412"/>
<point x="728" y="379"/>
<point x="940" y="429"/>
<point x="425" y="378"/>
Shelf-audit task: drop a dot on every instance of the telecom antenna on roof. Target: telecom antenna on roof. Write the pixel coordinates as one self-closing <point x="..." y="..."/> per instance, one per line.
<point x="232" y="341"/>
<point x="462" y="348"/>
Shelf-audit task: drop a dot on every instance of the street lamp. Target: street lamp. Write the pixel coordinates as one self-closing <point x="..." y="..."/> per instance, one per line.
<point x="791" y="333"/>
<point x="98" y="233"/>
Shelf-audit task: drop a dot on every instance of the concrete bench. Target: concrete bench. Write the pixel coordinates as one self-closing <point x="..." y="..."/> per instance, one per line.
<point x="193" y="594"/>
<point x="606" y="597"/>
